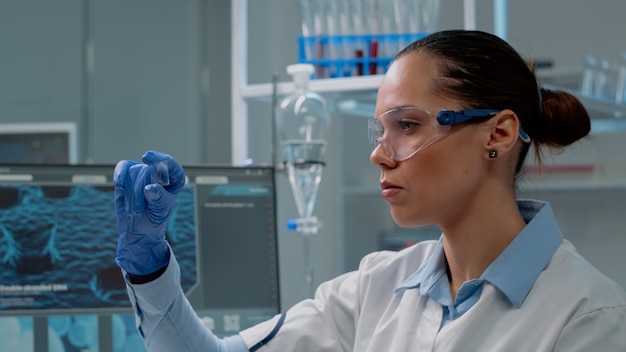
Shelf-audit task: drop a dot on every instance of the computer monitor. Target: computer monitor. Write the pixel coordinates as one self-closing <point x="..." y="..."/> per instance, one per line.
<point x="58" y="241"/>
<point x="38" y="143"/>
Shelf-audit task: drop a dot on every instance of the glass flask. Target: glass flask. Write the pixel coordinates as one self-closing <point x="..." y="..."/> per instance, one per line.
<point x="302" y="123"/>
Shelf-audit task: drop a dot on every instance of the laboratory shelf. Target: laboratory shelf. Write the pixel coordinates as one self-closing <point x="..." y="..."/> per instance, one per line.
<point x="606" y="116"/>
<point x="573" y="185"/>
<point x="357" y="96"/>
<point x="324" y="85"/>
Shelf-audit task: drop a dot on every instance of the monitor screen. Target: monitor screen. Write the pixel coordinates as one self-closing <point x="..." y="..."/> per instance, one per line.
<point x="58" y="240"/>
<point x="38" y="143"/>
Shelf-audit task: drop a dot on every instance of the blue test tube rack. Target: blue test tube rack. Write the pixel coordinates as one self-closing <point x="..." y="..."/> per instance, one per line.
<point x="352" y="55"/>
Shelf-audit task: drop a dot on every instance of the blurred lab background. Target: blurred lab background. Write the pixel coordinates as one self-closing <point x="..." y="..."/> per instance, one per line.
<point x="198" y="80"/>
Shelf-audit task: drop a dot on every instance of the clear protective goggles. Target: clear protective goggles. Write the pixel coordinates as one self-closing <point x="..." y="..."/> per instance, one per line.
<point x="404" y="131"/>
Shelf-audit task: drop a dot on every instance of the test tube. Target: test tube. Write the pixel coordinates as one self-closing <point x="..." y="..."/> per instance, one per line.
<point x="318" y="9"/>
<point x="308" y="29"/>
<point x="358" y="22"/>
<point x="620" y="90"/>
<point x="332" y="21"/>
<point x="159" y="173"/>
<point x="370" y="13"/>
<point x="404" y="20"/>
<point x="345" y="30"/>
<point x="387" y="46"/>
<point x="587" y="84"/>
<point x="430" y="19"/>
<point x="602" y="82"/>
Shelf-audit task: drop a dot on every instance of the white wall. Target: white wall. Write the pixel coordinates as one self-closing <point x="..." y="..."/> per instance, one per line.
<point x="133" y="75"/>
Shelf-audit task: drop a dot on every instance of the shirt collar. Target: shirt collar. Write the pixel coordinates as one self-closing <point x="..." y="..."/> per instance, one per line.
<point x="516" y="269"/>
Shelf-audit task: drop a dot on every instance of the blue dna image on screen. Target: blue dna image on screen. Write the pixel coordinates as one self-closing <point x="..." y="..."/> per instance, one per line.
<point x="58" y="243"/>
<point x="60" y="289"/>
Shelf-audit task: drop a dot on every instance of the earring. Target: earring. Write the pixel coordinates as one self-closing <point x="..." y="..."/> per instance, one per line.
<point x="493" y="154"/>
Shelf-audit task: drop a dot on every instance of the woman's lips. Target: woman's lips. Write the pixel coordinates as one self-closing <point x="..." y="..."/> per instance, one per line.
<point x="389" y="189"/>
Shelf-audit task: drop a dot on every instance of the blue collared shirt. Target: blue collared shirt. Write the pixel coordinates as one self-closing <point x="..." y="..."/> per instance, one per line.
<point x="513" y="272"/>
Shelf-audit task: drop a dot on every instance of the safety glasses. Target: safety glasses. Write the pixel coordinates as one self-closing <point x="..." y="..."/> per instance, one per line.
<point x="404" y="131"/>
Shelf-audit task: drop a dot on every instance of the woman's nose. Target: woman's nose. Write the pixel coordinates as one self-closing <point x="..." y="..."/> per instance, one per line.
<point x="380" y="159"/>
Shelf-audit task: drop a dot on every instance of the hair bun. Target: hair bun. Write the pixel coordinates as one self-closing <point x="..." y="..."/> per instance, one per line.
<point x="564" y="120"/>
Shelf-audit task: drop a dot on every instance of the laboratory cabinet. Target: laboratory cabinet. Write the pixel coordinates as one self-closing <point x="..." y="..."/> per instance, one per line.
<point x="586" y="183"/>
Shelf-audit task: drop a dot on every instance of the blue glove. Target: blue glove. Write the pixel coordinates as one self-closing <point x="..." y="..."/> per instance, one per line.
<point x="143" y="206"/>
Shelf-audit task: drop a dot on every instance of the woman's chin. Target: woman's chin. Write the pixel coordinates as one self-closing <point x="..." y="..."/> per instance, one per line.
<point x="405" y="220"/>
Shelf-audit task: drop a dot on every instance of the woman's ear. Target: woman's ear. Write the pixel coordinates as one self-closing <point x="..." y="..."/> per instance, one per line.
<point x="504" y="132"/>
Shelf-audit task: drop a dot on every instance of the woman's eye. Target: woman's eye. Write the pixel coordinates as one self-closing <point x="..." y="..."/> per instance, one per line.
<point x="406" y="125"/>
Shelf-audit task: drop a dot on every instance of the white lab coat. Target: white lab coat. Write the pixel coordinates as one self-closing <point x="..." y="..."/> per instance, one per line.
<point x="362" y="312"/>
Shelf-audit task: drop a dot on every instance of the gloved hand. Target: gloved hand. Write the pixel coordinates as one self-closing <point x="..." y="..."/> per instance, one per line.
<point x="143" y="207"/>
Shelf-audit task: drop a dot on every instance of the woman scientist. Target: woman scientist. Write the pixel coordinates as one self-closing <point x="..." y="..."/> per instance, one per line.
<point x="457" y="113"/>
